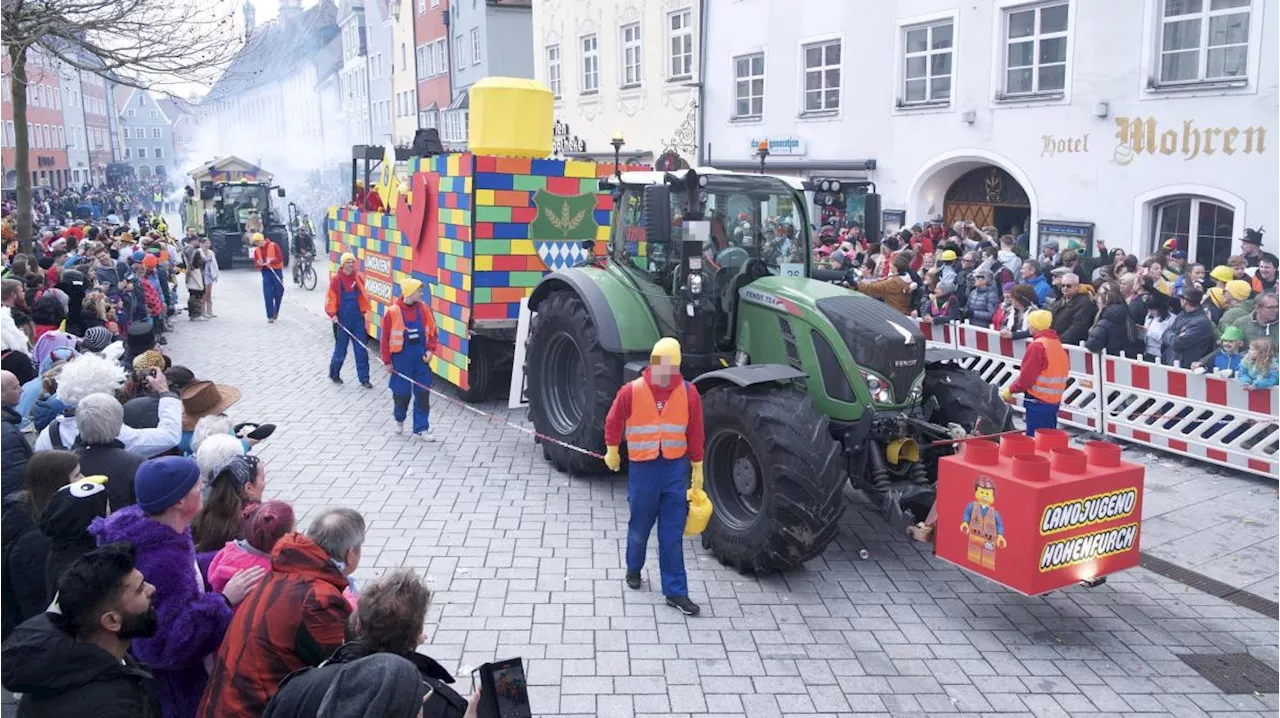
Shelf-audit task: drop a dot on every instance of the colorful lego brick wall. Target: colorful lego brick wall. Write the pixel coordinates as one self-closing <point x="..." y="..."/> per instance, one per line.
<point x="381" y="252"/>
<point x="449" y="277"/>
<point x="531" y="217"/>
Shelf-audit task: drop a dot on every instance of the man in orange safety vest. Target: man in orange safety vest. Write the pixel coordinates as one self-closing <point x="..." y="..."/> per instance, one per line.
<point x="661" y="414"/>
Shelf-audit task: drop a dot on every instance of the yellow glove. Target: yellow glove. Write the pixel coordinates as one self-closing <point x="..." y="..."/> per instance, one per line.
<point x="1006" y="395"/>
<point x="612" y="459"/>
<point x="697" y="476"/>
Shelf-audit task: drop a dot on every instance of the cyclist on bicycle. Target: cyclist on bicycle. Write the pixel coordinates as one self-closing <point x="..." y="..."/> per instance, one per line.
<point x="304" y="244"/>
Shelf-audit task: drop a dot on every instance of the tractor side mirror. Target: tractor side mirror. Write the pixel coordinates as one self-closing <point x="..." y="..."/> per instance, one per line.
<point x="279" y="191"/>
<point x="657" y="216"/>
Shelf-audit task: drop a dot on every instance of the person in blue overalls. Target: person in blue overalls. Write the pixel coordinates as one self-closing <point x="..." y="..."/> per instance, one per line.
<point x="347" y="304"/>
<point x="268" y="259"/>
<point x="409" y="340"/>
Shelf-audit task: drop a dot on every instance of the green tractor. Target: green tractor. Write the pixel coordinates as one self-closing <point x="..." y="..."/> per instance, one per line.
<point x="806" y="386"/>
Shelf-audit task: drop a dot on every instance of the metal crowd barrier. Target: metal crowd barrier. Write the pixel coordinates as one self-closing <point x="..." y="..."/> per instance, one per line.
<point x="1199" y="416"/>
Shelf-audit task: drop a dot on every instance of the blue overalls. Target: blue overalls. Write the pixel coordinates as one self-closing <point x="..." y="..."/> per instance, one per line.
<point x="272" y="290"/>
<point x="408" y="361"/>
<point x="657" y="491"/>
<point x="350" y="319"/>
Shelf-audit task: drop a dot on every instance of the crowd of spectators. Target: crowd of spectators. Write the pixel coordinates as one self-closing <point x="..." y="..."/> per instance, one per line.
<point x="1220" y="319"/>
<point x="145" y="571"/>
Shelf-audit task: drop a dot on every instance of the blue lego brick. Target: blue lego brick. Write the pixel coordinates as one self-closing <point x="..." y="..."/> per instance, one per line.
<point x="493" y="180"/>
<point x="490" y="279"/>
<point x="601" y="217"/>
<point x="547" y="168"/>
<point x="510" y="230"/>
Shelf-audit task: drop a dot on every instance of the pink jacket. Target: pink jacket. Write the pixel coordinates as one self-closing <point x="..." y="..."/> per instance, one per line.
<point x="235" y="557"/>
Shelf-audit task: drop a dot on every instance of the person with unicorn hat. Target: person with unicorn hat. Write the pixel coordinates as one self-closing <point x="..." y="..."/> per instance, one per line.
<point x="409" y="340"/>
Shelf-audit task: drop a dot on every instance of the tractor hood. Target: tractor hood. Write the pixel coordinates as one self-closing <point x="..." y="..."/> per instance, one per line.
<point x="879" y="339"/>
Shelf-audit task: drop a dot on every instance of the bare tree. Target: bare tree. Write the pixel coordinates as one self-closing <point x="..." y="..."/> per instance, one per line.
<point x="146" y="44"/>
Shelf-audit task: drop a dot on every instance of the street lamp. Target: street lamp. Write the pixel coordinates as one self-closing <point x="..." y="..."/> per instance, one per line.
<point x="617" y="143"/>
<point x="762" y="151"/>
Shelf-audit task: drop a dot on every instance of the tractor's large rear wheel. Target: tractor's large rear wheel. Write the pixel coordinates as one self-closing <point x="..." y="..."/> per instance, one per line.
<point x="774" y="475"/>
<point x="572" y="381"/>
<point x="966" y="399"/>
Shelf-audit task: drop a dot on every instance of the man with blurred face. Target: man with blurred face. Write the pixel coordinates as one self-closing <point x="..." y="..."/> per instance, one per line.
<point x="661" y="415"/>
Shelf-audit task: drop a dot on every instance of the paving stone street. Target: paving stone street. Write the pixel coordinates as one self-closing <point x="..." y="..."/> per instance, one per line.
<point x="527" y="561"/>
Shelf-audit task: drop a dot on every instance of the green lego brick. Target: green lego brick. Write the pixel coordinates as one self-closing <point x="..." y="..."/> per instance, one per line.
<point x="525" y="279"/>
<point x="492" y="246"/>
<point x="528" y="182"/>
<point x="493" y="214"/>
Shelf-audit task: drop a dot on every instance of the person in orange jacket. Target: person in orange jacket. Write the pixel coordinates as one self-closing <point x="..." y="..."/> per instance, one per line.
<point x="347" y="304"/>
<point x="409" y="340"/>
<point x="661" y="414"/>
<point x="1043" y="376"/>
<point x="268" y="259"/>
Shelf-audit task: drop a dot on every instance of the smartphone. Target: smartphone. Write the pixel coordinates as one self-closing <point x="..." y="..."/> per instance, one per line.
<point x="504" y="692"/>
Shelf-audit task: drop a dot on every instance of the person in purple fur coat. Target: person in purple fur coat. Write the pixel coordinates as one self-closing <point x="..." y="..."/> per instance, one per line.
<point x="192" y="622"/>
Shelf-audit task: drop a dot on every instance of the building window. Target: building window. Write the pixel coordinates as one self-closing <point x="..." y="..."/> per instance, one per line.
<point x="1203" y="40"/>
<point x="475" y="46"/>
<point x="404" y="57"/>
<point x="926" y="66"/>
<point x="553" y="70"/>
<point x="822" y="76"/>
<point x="457" y="52"/>
<point x="748" y="89"/>
<point x="590" y="64"/>
<point x="421" y="62"/>
<point x="159" y="153"/>
<point x="442" y="63"/>
<point x="422" y="7"/>
<point x="142" y="153"/>
<point x="1035" y="50"/>
<point x="128" y="154"/>
<point x="131" y="113"/>
<point x="155" y="133"/>
<point x="632" y="56"/>
<point x="680" y="25"/>
<point x="125" y="133"/>
<point x="1201" y="227"/>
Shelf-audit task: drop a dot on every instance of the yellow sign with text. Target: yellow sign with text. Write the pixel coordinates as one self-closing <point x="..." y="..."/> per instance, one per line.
<point x="1145" y="135"/>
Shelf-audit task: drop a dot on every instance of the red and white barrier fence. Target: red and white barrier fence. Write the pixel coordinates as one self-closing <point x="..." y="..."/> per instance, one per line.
<point x="1196" y="415"/>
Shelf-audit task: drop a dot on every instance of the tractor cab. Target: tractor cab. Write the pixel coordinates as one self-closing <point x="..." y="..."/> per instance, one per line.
<point x="690" y="240"/>
<point x="239" y="210"/>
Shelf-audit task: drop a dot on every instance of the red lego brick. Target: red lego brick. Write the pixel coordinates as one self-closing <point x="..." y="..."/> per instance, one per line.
<point x="523" y="215"/>
<point x="486" y="164"/>
<point x="490" y="311"/>
<point x="1039" y="515"/>
<point x="566" y="186"/>
<point x="484" y="230"/>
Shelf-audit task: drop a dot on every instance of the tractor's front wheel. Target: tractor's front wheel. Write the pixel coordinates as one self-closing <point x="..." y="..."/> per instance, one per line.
<point x="774" y="475"/>
<point x="572" y="381"/>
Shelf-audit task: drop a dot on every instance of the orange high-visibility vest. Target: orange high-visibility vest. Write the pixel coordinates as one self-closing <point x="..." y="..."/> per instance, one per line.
<point x="395" y="332"/>
<point x="1053" y="379"/>
<point x="651" y="433"/>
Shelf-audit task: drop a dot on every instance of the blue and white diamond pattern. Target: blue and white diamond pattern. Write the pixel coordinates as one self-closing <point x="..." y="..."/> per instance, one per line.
<point x="558" y="255"/>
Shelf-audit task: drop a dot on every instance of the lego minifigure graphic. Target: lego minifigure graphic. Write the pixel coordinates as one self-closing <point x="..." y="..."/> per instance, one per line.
<point x="983" y="525"/>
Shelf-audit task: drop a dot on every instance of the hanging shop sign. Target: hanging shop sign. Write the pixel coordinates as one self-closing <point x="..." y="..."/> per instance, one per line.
<point x="782" y="146"/>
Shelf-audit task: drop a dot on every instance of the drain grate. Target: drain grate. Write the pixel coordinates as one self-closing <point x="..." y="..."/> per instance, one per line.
<point x="1211" y="586"/>
<point x="1234" y="673"/>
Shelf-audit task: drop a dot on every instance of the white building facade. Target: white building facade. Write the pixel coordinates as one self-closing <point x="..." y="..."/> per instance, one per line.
<point x="629" y="66"/>
<point x="353" y="78"/>
<point x="1131" y="122"/>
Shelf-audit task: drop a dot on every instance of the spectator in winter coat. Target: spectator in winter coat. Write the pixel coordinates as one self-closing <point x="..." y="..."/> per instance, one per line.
<point x="1074" y="313"/>
<point x="1049" y="257"/>
<point x="15" y="450"/>
<point x="1159" y="321"/>
<point x="65" y="522"/>
<point x="296" y="619"/>
<point x="1259" y="370"/>
<point x="192" y="622"/>
<point x="943" y="307"/>
<point x="1226" y="361"/>
<point x="1113" y="332"/>
<point x="1264" y="279"/>
<point x="1030" y="275"/>
<point x="77" y="661"/>
<point x="1008" y="257"/>
<point x="263" y="526"/>
<point x="378" y="686"/>
<point x="1192" y="334"/>
<point x="1261" y="322"/>
<point x="25" y="548"/>
<point x="235" y="489"/>
<point x="1131" y="290"/>
<point x="983" y="299"/>
<point x="1215" y="303"/>
<point x="99" y="418"/>
<point x="1236" y="299"/>
<point x="895" y="291"/>
<point x="388" y="622"/>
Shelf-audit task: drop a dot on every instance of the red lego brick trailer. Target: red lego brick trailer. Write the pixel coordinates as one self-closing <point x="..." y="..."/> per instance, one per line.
<point x="1038" y="515"/>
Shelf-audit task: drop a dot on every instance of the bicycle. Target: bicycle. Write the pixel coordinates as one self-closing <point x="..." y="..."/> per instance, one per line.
<point x="304" y="274"/>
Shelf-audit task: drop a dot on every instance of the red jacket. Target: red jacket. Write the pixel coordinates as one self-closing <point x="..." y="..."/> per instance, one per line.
<point x="1033" y="363"/>
<point x="408" y="313"/>
<point x="268" y="256"/>
<point x="295" y="618"/>
<point x="616" y="421"/>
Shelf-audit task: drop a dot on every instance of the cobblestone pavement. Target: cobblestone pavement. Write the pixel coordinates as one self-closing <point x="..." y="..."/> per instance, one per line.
<point x="527" y="561"/>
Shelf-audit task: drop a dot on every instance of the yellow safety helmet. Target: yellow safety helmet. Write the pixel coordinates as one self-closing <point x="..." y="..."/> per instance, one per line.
<point x="948" y="255"/>
<point x="1039" y="320"/>
<point x="666" y="347"/>
<point x="409" y="286"/>
<point x="257" y="238"/>
<point x="1222" y="273"/>
<point x="346" y="256"/>
<point x="1215" y="295"/>
<point x="1239" y="289"/>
